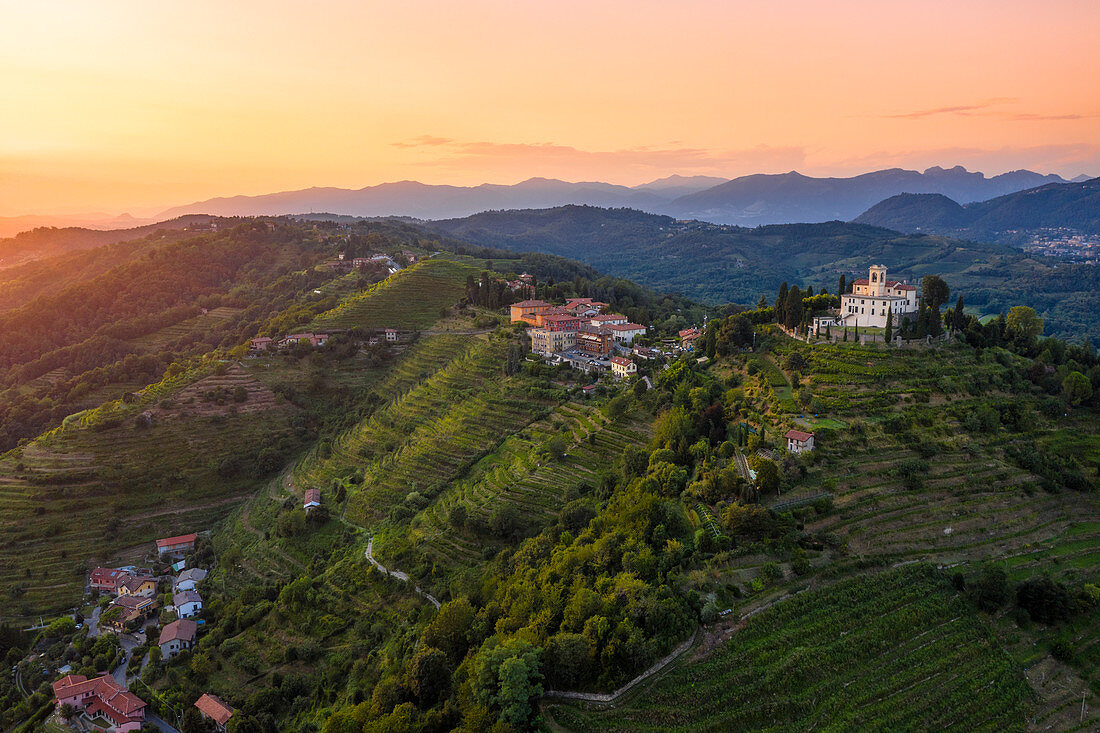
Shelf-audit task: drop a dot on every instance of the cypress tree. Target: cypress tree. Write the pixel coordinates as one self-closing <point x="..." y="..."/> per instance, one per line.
<point x="810" y="292"/>
<point x="841" y="287"/>
<point x="792" y="312"/>
<point x="781" y="304"/>
<point x="960" y="316"/>
<point x="889" y="325"/>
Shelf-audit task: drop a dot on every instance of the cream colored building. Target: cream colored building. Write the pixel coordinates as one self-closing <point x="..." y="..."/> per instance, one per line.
<point x="873" y="298"/>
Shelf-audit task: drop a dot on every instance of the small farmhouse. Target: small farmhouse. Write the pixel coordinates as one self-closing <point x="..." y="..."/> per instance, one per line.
<point x="262" y="343"/>
<point x="798" y="441"/>
<point x="176" y="545"/>
<point x="215" y="710"/>
<point x="313" y="500"/>
<point x="176" y="637"/>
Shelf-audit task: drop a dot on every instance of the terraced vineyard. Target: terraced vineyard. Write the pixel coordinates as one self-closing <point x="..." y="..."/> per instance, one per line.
<point x="869" y="653"/>
<point x="515" y="474"/>
<point x="409" y="299"/>
<point x="197" y="326"/>
<point x="434" y="426"/>
<point x="92" y="493"/>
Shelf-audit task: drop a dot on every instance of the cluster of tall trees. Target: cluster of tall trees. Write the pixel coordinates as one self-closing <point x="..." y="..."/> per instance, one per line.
<point x="491" y="293"/>
<point x="795" y="307"/>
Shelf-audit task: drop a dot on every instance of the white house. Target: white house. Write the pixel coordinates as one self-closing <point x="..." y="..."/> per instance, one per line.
<point x="625" y="332"/>
<point x="176" y="637"/>
<point x="188" y="579"/>
<point x="798" y="441"/>
<point x="188" y="603"/>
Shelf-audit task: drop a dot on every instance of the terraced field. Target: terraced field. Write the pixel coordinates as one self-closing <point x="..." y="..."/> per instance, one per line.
<point x="409" y="299"/>
<point x="515" y="474"/>
<point x="84" y="494"/>
<point x="871" y="653"/>
<point x="197" y="326"/>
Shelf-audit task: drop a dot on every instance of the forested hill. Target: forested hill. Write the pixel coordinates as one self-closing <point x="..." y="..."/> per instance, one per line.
<point x="1074" y="206"/>
<point x="42" y="242"/>
<point x="717" y="263"/>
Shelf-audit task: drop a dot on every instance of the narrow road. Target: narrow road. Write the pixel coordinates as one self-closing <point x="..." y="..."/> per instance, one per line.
<point x="403" y="577"/>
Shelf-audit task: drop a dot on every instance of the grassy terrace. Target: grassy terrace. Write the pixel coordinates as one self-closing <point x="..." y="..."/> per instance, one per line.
<point x="106" y="493"/>
<point x="411" y="298"/>
<point x="966" y="500"/>
<point x="867" y="653"/>
<point x="515" y="473"/>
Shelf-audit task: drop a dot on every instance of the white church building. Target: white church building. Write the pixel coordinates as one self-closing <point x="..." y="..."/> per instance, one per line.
<point x="872" y="298"/>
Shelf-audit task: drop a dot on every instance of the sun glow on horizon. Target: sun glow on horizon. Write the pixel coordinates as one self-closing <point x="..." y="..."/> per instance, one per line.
<point x="129" y="106"/>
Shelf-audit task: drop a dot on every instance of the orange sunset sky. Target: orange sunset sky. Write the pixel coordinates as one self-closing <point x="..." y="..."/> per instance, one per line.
<point x="137" y="106"/>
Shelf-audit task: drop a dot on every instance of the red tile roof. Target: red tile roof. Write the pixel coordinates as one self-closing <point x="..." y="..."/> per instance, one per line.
<point x="620" y="361"/>
<point x="528" y="303"/>
<point x="213" y="708"/>
<point x="182" y="630"/>
<point x="625" y="326"/>
<point x="180" y="540"/>
<point x="608" y="317"/>
<point x="112" y="699"/>
<point x="313" y="495"/>
<point x="798" y="435"/>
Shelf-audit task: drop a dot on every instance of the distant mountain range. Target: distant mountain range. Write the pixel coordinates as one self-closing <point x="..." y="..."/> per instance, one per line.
<point x="746" y="201"/>
<point x="1008" y="219"/>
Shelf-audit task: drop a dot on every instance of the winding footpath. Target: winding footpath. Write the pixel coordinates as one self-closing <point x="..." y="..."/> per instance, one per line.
<point x="403" y="577"/>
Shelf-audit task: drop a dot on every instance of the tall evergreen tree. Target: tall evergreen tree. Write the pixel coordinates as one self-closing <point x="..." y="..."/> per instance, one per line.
<point x="841" y="288"/>
<point x="889" y="325"/>
<point x="960" y="316"/>
<point x="781" y="304"/>
<point x="792" y="312"/>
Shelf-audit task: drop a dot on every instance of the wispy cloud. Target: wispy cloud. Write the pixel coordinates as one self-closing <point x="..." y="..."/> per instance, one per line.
<point x="422" y="141"/>
<point x="989" y="108"/>
<point x="959" y="109"/>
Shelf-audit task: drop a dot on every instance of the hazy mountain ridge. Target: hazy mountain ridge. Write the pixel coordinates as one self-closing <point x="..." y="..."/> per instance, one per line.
<point x="747" y="201"/>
